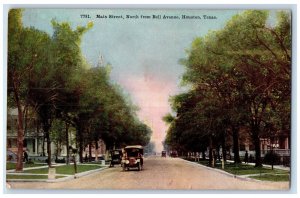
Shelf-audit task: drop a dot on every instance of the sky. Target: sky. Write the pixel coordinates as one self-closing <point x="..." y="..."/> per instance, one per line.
<point x="144" y="53"/>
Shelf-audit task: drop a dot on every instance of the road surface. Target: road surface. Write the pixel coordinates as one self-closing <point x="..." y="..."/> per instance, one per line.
<point x="158" y="173"/>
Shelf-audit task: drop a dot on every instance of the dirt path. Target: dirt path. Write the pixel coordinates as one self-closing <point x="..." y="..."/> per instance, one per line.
<point x="159" y="173"/>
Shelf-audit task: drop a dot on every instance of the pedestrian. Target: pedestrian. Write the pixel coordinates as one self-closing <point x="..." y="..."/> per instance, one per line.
<point x="86" y="157"/>
<point x="25" y="156"/>
<point x="246" y="157"/>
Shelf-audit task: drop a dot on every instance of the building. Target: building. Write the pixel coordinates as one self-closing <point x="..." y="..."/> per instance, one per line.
<point x="34" y="142"/>
<point x="101" y="152"/>
<point x="278" y="144"/>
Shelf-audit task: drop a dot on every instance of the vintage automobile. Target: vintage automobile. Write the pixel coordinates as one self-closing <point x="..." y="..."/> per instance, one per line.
<point x="116" y="157"/>
<point x="173" y="154"/>
<point x="133" y="157"/>
<point x="163" y="154"/>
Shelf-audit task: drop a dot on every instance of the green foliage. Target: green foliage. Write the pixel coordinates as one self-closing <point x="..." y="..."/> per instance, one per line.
<point x="10" y="176"/>
<point x="149" y="148"/>
<point x="270" y="177"/>
<point x="168" y="118"/>
<point x="50" y="75"/>
<point x="239" y="77"/>
<point x="10" y="166"/>
<point x="243" y="169"/>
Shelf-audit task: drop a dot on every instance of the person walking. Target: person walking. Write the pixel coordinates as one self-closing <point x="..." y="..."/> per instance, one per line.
<point x="25" y="156"/>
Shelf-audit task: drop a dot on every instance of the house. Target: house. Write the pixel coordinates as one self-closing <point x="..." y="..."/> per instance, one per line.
<point x="101" y="152"/>
<point x="34" y="142"/>
<point x="278" y="144"/>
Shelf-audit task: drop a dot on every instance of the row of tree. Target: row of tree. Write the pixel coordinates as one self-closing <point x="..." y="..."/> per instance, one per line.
<point x="49" y="77"/>
<point x="240" y="82"/>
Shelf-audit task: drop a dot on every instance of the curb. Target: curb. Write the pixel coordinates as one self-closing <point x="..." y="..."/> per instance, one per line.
<point x="224" y="172"/>
<point x="78" y="175"/>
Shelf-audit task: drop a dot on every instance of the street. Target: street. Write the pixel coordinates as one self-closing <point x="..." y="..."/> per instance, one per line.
<point x="158" y="173"/>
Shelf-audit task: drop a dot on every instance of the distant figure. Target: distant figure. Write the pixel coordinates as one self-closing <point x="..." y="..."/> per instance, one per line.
<point x="246" y="157"/>
<point x="86" y="158"/>
<point x="25" y="156"/>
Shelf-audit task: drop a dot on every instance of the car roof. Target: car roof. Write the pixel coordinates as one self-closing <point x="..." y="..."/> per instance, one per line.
<point x="134" y="146"/>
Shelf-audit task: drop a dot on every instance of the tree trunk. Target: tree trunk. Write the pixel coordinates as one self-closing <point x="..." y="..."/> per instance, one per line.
<point x="46" y="127"/>
<point x="48" y="146"/>
<point x="256" y="142"/>
<point x="218" y="153"/>
<point x="96" y="151"/>
<point x="20" y="138"/>
<point x="43" y="146"/>
<point x="235" y="136"/>
<point x="90" y="152"/>
<point x="81" y="151"/>
<point x="224" y="148"/>
<point x="56" y="151"/>
<point x="37" y="136"/>
<point x="203" y="154"/>
<point x="80" y="142"/>
<point x="67" y="143"/>
<point x="210" y="160"/>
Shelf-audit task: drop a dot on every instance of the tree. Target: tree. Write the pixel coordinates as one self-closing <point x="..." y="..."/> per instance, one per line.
<point x="257" y="51"/>
<point x="244" y="72"/>
<point x="27" y="53"/>
<point x="149" y="148"/>
<point x="67" y="64"/>
<point x="15" y="80"/>
<point x="70" y="90"/>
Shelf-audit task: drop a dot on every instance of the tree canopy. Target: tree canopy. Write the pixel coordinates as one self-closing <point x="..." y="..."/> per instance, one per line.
<point x="240" y="78"/>
<point x="49" y="75"/>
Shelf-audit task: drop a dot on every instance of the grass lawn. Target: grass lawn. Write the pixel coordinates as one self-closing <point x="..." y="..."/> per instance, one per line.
<point x="10" y="165"/>
<point x="66" y="169"/>
<point x="271" y="177"/>
<point x="242" y="169"/>
<point x="248" y="169"/>
<point x="29" y="176"/>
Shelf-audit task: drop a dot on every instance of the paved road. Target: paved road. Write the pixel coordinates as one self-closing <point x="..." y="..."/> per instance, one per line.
<point x="158" y="173"/>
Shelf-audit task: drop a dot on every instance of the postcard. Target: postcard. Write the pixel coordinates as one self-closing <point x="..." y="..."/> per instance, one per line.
<point x="148" y="99"/>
